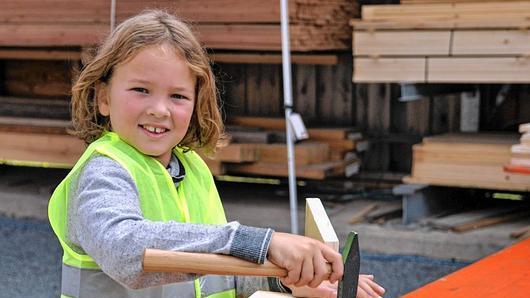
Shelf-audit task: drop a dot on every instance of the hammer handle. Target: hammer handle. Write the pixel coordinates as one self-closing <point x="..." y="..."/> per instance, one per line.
<point x="156" y="260"/>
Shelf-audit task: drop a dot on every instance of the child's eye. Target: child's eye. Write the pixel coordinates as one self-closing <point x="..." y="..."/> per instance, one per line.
<point x="178" y="96"/>
<point x="139" y="89"/>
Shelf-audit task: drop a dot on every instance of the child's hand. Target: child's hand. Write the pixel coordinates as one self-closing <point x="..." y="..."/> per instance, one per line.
<point x="367" y="288"/>
<point x="324" y="290"/>
<point x="305" y="259"/>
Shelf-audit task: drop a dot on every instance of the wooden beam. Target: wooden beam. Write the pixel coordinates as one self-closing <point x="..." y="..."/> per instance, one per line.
<point x="318" y="225"/>
<point x="379" y="70"/>
<point x="491" y="42"/>
<point x="401" y="43"/>
<point x="39" y="54"/>
<point x="320" y="59"/>
<point x="46" y="150"/>
<point x="478" y="70"/>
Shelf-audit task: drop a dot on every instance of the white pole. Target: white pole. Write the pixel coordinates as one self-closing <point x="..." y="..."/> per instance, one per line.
<point x="112" y="14"/>
<point x="288" y="104"/>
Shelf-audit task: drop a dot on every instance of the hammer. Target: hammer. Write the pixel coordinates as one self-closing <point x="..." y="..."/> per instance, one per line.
<point x="203" y="263"/>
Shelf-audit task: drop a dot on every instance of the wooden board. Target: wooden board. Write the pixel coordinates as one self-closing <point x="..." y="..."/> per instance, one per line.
<point x="265" y="294"/>
<point x="305" y="153"/>
<point x="237" y="153"/>
<point x="314" y="171"/>
<point x="401" y="43"/>
<point x="490" y="42"/>
<point x="378" y="70"/>
<point x="447" y="11"/>
<point x="503" y="274"/>
<point x="317" y="224"/>
<point x="479" y="70"/>
<point x="46" y="150"/>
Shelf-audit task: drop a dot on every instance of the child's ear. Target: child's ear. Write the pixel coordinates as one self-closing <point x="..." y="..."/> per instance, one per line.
<point x="103" y="100"/>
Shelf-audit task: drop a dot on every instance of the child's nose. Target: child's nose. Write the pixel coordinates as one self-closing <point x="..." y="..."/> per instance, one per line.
<point x="158" y="108"/>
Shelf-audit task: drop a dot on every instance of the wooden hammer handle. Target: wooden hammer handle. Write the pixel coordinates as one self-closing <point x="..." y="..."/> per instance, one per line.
<point x="156" y="260"/>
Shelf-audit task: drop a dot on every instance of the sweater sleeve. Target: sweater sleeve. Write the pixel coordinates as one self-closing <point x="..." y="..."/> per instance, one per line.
<point x="106" y="222"/>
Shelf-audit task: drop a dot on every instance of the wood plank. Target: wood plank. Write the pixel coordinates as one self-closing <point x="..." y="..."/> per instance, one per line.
<point x="40" y="149"/>
<point x="491" y="42"/>
<point x="267" y="58"/>
<point x="306" y="153"/>
<point x="260" y="122"/>
<point x="401" y="43"/>
<point x="423" y="154"/>
<point x="266" y="294"/>
<point x="237" y="153"/>
<point x="446" y="11"/>
<point x="430" y="24"/>
<point x="478" y="70"/>
<point x="489" y="221"/>
<point x="382" y="70"/>
<point x="317" y="224"/>
<point x="34" y="125"/>
<point x="315" y="171"/>
<point x="39" y="54"/>
<point x="334" y="133"/>
<point x="46" y="35"/>
<point x="475" y="176"/>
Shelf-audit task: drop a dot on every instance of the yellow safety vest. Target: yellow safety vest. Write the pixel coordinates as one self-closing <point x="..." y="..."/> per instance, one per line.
<point x="196" y="200"/>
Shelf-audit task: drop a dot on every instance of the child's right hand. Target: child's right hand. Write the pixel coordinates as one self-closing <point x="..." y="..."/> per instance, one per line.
<point x="305" y="259"/>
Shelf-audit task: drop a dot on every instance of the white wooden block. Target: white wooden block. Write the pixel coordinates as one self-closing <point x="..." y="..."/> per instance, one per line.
<point x="317" y="224"/>
<point x="265" y="294"/>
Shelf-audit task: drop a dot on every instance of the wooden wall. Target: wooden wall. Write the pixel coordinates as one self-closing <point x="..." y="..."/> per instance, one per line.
<point x="323" y="94"/>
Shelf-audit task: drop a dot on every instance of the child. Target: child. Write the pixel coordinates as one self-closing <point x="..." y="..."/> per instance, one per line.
<point x="145" y="103"/>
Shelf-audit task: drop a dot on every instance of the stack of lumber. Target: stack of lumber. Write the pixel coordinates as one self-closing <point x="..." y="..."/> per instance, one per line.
<point x="466" y="160"/>
<point x="456" y="42"/>
<point x="520" y="153"/>
<point x="38" y="142"/>
<point x="260" y="149"/>
<point x="220" y="24"/>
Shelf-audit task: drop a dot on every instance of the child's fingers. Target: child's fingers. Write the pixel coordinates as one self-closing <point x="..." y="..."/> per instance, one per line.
<point x="335" y="259"/>
<point x="376" y="287"/>
<point x="293" y="274"/>
<point x="307" y="272"/>
<point x="320" y="268"/>
<point x="369" y="287"/>
<point x="369" y="276"/>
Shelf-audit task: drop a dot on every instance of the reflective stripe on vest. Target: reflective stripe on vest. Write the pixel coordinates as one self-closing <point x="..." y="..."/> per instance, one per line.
<point x="90" y="283"/>
<point x="195" y="201"/>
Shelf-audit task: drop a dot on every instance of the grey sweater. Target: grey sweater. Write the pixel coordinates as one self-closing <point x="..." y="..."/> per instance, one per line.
<point x="105" y="221"/>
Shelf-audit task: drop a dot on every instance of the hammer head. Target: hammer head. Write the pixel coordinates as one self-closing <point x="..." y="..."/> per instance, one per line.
<point x="352" y="262"/>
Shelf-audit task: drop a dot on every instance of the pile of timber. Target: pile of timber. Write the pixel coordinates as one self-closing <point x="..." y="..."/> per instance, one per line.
<point x="253" y="151"/>
<point x="482" y="42"/>
<point x="258" y="148"/>
<point x="520" y="153"/>
<point x="315" y="25"/>
<point x="467" y="160"/>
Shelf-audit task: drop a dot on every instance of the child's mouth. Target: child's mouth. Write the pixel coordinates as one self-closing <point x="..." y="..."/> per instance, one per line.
<point x="154" y="130"/>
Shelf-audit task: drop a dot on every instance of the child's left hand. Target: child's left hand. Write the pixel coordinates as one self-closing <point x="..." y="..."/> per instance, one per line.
<point x="367" y="288"/>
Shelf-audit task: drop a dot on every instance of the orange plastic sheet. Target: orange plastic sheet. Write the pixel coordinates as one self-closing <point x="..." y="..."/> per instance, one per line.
<point x="503" y="274"/>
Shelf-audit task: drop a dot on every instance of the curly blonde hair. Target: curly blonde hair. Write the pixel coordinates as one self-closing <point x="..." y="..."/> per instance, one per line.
<point x="151" y="27"/>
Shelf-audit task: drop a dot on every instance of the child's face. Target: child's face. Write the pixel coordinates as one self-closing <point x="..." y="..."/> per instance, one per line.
<point x="150" y="101"/>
